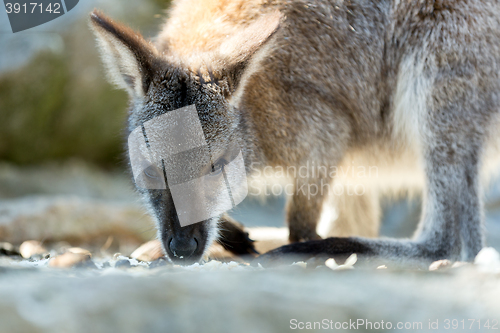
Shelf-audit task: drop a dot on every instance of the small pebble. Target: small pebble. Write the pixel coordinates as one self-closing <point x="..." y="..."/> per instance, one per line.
<point x="440" y="264"/>
<point x="353" y="258"/>
<point x="160" y="262"/>
<point x="79" y="250"/>
<point x="488" y="260"/>
<point x="349" y="263"/>
<point x="301" y="264"/>
<point x="87" y="264"/>
<point x="31" y="248"/>
<point x="8" y="249"/>
<point x="68" y="259"/>
<point x="331" y="263"/>
<point x="487" y="257"/>
<point x="459" y="264"/>
<point x="123" y="263"/>
<point x="149" y="251"/>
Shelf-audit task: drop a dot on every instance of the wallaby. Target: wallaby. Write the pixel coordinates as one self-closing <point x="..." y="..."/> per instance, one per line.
<point x="409" y="86"/>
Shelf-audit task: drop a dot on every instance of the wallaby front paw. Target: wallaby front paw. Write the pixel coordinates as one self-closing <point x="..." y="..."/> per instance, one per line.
<point x="234" y="238"/>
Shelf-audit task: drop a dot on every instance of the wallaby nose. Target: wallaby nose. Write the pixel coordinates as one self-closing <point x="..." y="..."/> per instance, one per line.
<point x="183" y="248"/>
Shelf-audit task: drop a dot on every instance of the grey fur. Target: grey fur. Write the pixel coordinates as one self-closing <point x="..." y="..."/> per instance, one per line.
<point x="409" y="86"/>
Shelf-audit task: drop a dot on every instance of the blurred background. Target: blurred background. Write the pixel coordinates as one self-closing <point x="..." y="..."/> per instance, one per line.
<point x="63" y="175"/>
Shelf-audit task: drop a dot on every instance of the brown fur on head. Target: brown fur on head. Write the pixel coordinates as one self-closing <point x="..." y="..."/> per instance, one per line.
<point x="159" y="82"/>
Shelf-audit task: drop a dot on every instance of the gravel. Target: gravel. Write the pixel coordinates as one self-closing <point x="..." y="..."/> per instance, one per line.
<point x="126" y="295"/>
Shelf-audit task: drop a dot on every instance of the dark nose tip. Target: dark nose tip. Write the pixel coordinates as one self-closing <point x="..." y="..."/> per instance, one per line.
<point x="183" y="248"/>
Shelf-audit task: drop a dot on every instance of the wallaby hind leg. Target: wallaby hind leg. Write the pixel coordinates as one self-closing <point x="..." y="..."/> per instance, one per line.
<point x="303" y="208"/>
<point x="453" y="116"/>
<point x="451" y="224"/>
<point x="452" y="217"/>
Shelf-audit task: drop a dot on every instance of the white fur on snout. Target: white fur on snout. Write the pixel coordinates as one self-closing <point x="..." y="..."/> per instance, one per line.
<point x="213" y="235"/>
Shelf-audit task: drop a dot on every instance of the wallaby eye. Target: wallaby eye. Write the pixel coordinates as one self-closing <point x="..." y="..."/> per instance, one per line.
<point x="218" y="166"/>
<point x="215" y="171"/>
<point x="151" y="172"/>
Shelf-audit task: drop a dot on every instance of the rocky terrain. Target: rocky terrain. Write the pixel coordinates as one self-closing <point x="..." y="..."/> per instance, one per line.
<point x="126" y="295"/>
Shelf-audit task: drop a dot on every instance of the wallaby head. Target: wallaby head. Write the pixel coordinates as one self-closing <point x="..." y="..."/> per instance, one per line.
<point x="159" y="82"/>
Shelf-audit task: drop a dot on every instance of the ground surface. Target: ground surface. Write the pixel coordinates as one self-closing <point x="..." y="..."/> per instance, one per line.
<point x="220" y="297"/>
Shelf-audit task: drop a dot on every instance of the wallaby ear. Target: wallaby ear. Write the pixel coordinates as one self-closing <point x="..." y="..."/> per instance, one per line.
<point x="128" y="57"/>
<point x="238" y="49"/>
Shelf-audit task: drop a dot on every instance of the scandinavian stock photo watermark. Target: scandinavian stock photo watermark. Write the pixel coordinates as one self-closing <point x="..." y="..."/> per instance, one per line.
<point x="310" y="179"/>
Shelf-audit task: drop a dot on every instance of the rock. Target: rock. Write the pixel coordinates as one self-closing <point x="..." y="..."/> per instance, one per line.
<point x="79" y="250"/>
<point x="440" y="264"/>
<point x="160" y="262"/>
<point x="488" y="260"/>
<point x="31" y="248"/>
<point x="8" y="249"/>
<point x="348" y="264"/>
<point x="123" y="263"/>
<point x="87" y="264"/>
<point x="106" y="264"/>
<point x="459" y="264"/>
<point x="487" y="256"/>
<point x="149" y="251"/>
<point x="300" y="264"/>
<point x="351" y="260"/>
<point x="68" y="259"/>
